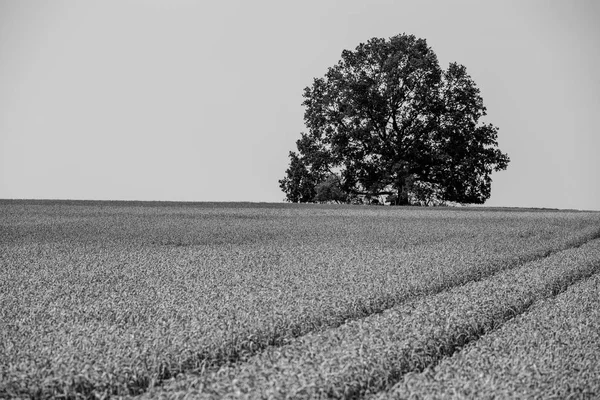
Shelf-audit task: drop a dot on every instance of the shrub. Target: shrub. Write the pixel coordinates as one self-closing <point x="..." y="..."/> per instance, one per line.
<point x="330" y="190"/>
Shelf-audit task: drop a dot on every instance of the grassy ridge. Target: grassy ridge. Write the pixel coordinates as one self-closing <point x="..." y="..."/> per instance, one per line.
<point x="365" y="356"/>
<point x="552" y="351"/>
<point x="111" y="300"/>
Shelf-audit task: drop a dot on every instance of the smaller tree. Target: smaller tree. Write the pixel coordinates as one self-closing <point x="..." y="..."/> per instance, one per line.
<point x="425" y="193"/>
<point x="330" y="190"/>
<point x="299" y="183"/>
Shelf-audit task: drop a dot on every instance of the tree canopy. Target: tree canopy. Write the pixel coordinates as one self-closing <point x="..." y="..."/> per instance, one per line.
<point x="387" y="120"/>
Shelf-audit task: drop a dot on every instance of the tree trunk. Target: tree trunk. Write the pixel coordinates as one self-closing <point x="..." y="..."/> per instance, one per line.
<point x="402" y="188"/>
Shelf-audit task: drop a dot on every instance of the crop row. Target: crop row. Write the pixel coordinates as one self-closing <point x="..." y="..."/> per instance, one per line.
<point x="365" y="356"/>
<point x="552" y="351"/>
<point x="113" y="300"/>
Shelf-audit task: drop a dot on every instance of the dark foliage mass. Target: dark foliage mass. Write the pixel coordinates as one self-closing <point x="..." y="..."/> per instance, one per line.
<point x="387" y="120"/>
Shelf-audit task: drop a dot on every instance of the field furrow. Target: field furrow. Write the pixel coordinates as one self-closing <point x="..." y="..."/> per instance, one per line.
<point x="550" y="352"/>
<point x="369" y="355"/>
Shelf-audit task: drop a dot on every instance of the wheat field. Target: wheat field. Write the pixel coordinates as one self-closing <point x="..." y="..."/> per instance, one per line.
<point x="245" y="300"/>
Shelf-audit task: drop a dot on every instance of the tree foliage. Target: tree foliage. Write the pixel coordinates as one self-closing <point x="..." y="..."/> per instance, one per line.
<point x="330" y="190"/>
<point x="386" y="119"/>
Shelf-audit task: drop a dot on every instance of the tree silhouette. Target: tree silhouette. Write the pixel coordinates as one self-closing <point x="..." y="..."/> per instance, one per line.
<point x="387" y="120"/>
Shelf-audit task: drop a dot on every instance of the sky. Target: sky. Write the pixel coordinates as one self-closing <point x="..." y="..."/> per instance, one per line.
<point x="201" y="100"/>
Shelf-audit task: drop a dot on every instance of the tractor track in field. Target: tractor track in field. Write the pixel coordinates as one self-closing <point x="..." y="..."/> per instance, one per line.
<point x="206" y="362"/>
<point x="437" y="351"/>
<point x="254" y="347"/>
<point x="461" y="315"/>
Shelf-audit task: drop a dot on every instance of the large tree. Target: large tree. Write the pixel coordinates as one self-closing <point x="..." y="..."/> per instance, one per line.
<point x="387" y="120"/>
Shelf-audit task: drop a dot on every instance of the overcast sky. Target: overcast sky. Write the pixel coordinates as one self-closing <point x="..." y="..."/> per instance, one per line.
<point x="201" y="100"/>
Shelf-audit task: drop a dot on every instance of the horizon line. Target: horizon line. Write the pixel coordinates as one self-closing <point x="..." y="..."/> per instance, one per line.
<point x="200" y="202"/>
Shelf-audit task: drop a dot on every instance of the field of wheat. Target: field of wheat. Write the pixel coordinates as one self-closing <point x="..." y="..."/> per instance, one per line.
<point x="242" y="300"/>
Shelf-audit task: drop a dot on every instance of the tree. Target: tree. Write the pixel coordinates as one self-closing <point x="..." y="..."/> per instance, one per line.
<point x="330" y="190"/>
<point x="386" y="119"/>
<point x="299" y="183"/>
